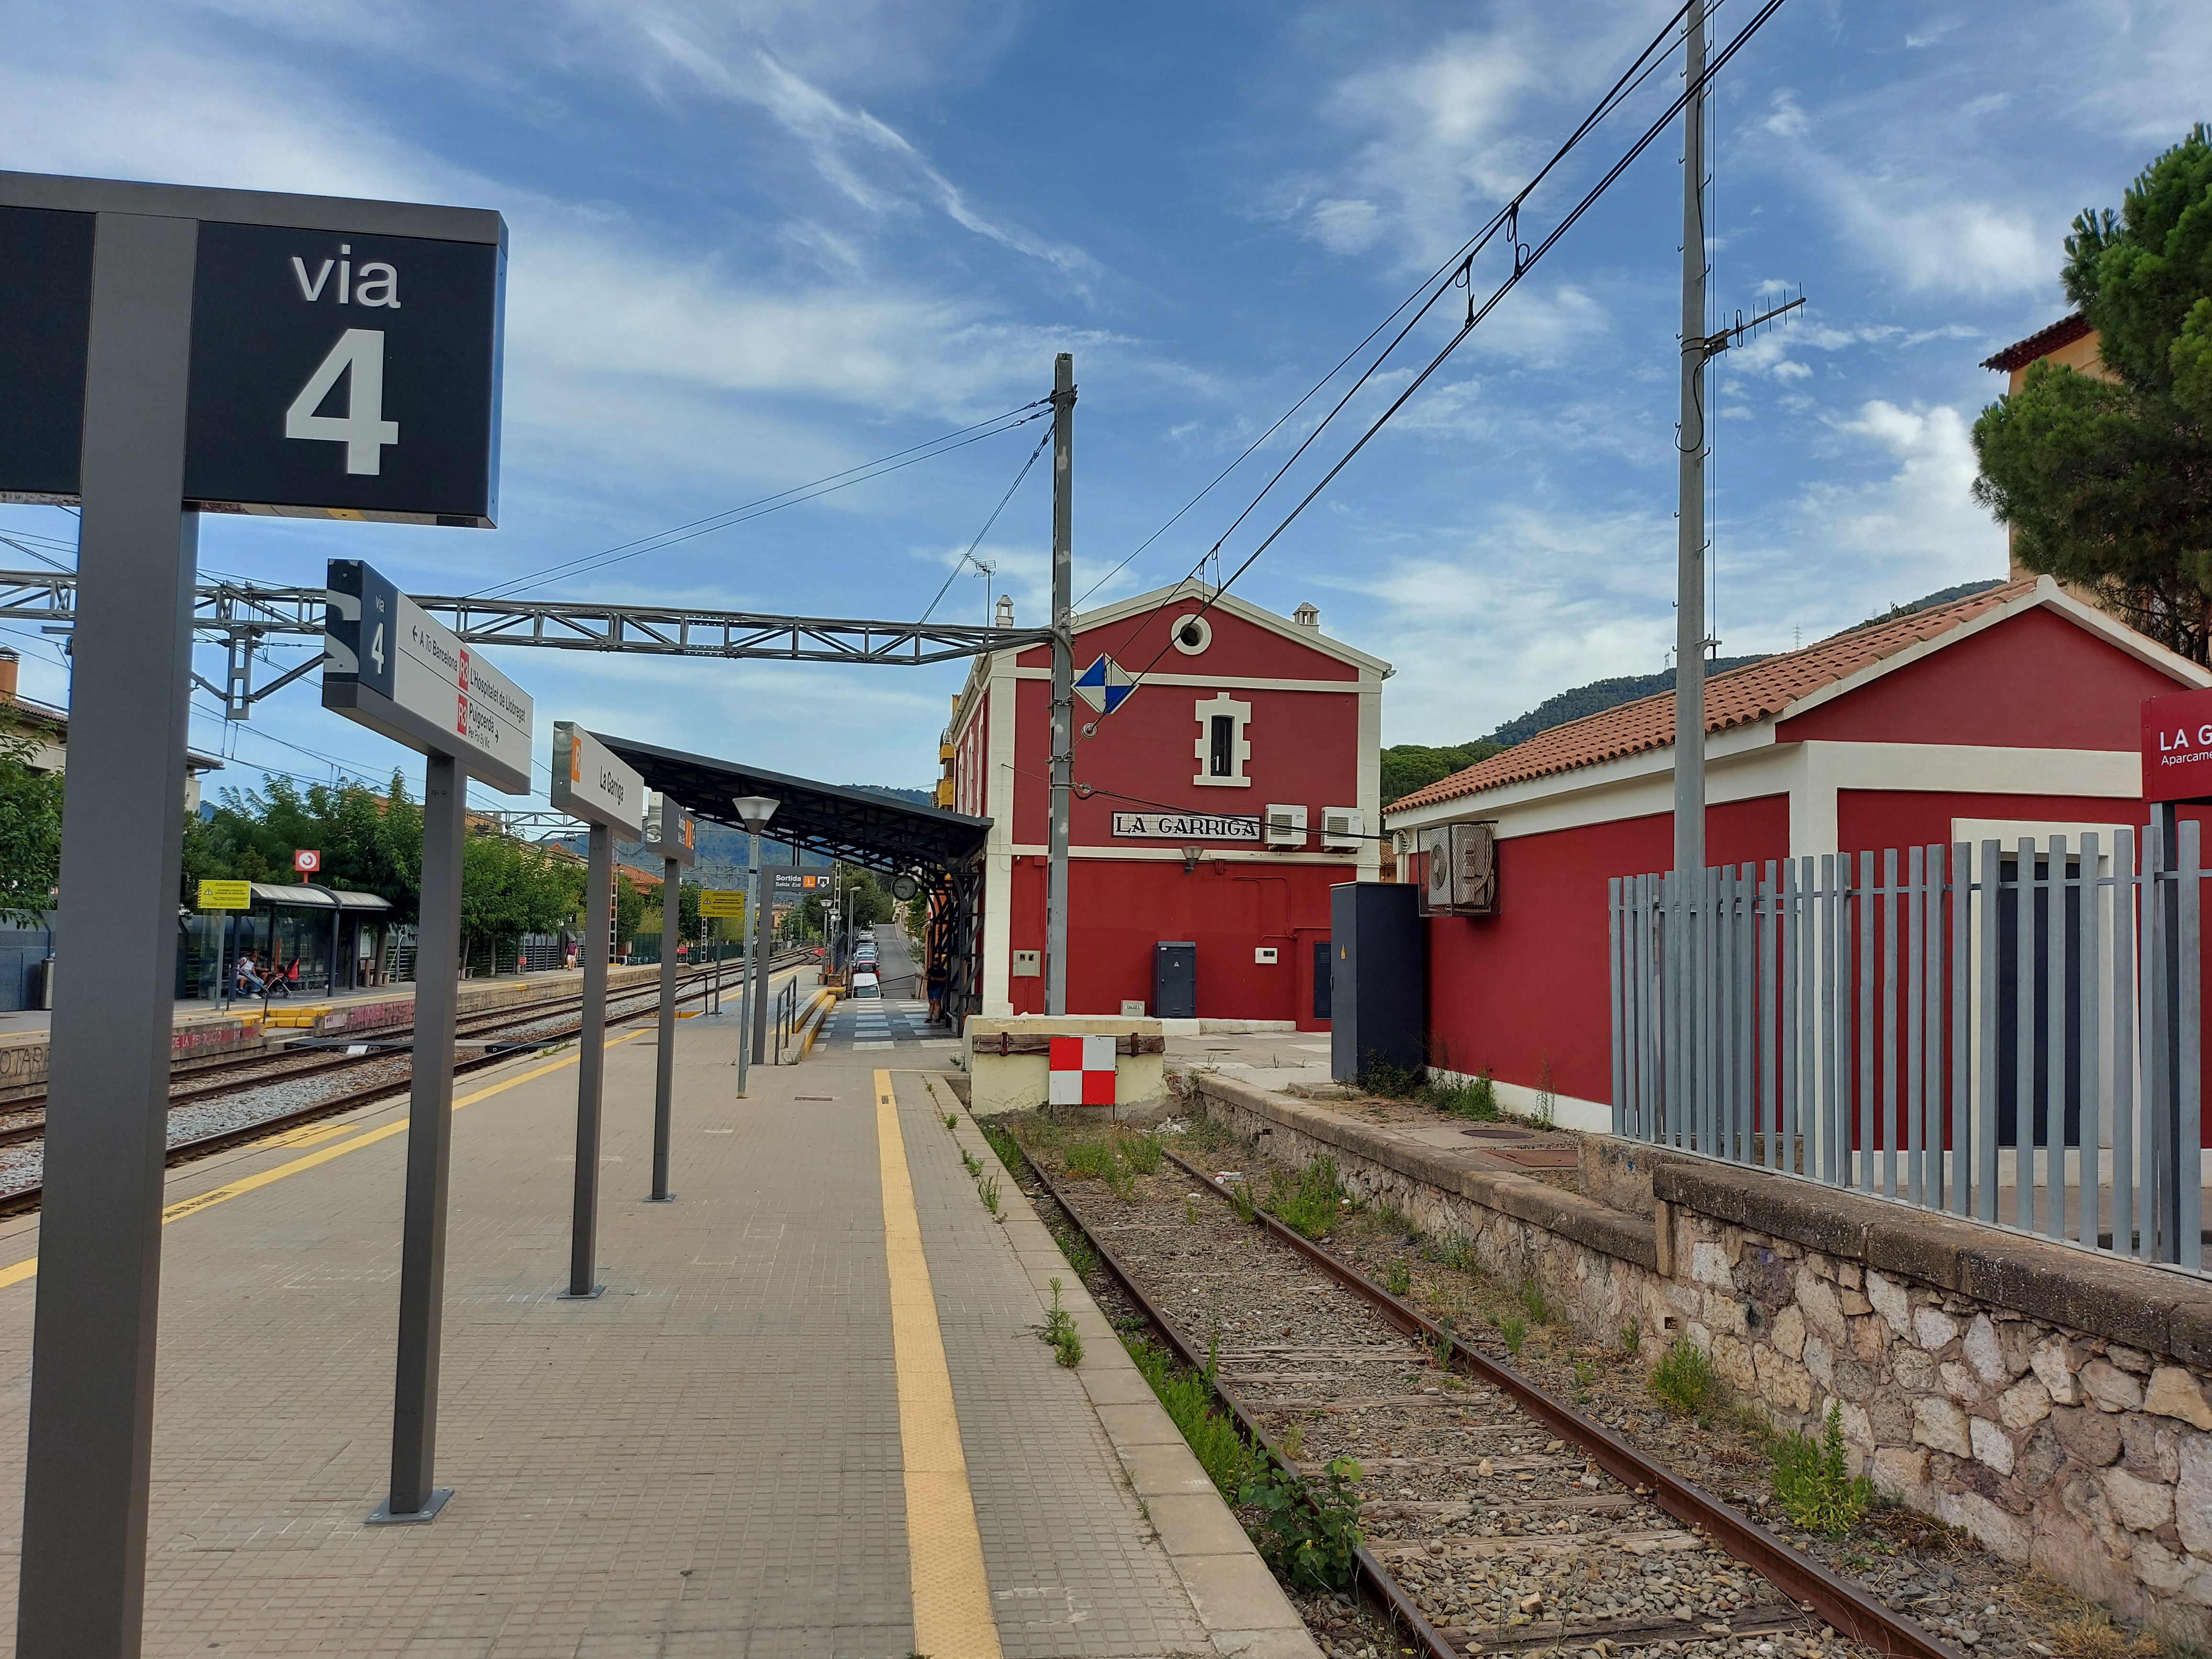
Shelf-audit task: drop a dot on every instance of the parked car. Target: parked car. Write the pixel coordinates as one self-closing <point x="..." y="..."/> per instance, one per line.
<point x="866" y="985"/>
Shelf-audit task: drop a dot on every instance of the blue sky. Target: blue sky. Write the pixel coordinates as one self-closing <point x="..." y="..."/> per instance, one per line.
<point x="754" y="243"/>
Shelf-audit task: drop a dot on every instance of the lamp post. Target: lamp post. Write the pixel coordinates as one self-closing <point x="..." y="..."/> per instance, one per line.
<point x="753" y="812"/>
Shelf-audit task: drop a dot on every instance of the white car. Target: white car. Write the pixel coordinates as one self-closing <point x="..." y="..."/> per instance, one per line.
<point x="866" y="985"/>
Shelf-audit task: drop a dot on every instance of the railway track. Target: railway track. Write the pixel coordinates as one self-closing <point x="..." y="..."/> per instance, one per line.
<point x="1498" y="1518"/>
<point x="24" y="1119"/>
<point x="397" y="1081"/>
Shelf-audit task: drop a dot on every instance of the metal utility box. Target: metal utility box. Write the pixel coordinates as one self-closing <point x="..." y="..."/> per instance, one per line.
<point x="1175" y="980"/>
<point x="1378" y="977"/>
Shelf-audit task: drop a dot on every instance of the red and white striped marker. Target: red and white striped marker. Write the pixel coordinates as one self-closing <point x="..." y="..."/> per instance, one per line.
<point x="1082" y="1072"/>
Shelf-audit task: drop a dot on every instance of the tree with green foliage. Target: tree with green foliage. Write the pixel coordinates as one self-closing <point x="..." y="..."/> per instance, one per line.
<point x="370" y="843"/>
<point x="1410" y="766"/>
<point x="30" y="832"/>
<point x="2107" y="483"/>
<point x="509" y="889"/>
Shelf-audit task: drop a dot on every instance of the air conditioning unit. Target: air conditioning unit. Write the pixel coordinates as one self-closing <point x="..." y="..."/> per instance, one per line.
<point x="1341" y="830"/>
<point x="1286" y="826"/>
<point x="1463" y="873"/>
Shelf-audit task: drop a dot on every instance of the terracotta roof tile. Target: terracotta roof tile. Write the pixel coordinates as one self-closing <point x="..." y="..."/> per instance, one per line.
<point x="1738" y="697"/>
<point x="2041" y="343"/>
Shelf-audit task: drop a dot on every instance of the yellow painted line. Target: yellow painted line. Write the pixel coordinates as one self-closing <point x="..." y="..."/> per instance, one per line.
<point x="16" y="1272"/>
<point x="945" y="1549"/>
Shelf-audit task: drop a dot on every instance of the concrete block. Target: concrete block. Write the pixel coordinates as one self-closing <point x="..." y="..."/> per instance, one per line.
<point x="1138" y="1422"/>
<point x="1164" y="1471"/>
<point x="1236" y="1592"/>
<point x="1199" y="1523"/>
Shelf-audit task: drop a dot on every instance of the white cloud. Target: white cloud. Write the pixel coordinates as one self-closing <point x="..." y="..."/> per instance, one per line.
<point x="1345" y="226"/>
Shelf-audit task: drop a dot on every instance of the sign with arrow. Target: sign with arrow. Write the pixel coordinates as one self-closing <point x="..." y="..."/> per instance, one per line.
<point x="1105" y="685"/>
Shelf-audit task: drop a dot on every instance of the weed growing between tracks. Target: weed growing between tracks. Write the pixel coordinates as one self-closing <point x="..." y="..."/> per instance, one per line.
<point x="1813" y="1480"/>
<point x="1311" y="1201"/>
<point x="1227" y="1457"/>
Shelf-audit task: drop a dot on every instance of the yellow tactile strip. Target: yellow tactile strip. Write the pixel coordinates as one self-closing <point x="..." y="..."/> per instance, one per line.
<point x="952" y="1616"/>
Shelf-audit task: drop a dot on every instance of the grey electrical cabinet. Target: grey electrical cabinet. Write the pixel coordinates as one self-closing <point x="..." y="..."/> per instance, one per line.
<point x="1175" y="980"/>
<point x="1378" y="978"/>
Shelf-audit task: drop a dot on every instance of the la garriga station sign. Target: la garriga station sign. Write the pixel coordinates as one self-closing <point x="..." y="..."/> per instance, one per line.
<point x="2177" y="747"/>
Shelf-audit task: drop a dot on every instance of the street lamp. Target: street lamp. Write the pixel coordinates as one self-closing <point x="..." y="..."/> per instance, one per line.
<point x="753" y="811"/>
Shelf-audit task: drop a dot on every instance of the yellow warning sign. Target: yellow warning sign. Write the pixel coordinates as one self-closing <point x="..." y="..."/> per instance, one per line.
<point x="226" y="895"/>
<point x="722" y="901"/>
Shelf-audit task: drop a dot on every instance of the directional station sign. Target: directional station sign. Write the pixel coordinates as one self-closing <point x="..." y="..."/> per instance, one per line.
<point x="397" y="670"/>
<point x="672" y="833"/>
<point x="1105" y="685"/>
<point x="590" y="783"/>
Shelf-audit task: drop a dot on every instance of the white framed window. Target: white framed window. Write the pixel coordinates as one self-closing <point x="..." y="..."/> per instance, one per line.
<point x="1224" y="745"/>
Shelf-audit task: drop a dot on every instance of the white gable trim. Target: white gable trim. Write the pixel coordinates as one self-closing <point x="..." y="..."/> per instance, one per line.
<point x="1313" y="639"/>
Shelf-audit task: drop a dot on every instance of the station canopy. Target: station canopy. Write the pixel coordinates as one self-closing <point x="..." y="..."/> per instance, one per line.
<point x="314" y="898"/>
<point x="856" y="825"/>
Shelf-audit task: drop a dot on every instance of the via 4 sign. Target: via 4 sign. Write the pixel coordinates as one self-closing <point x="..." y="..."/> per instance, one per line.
<point x="1105" y="685"/>
<point x="2177" y="746"/>
<point x="344" y="356"/>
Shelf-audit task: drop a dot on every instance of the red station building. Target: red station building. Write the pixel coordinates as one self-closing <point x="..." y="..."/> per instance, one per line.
<point x="1217" y="806"/>
<point x="2013" y="712"/>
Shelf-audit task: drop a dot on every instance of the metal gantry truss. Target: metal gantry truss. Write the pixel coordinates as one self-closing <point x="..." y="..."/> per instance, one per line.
<point x="241" y="615"/>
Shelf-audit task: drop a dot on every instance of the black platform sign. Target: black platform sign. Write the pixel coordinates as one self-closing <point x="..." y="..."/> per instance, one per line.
<point x="339" y="373"/>
<point x="336" y="371"/>
<point x="45" y="325"/>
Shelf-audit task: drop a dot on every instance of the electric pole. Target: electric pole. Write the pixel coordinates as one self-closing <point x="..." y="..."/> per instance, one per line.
<point x="1063" y="679"/>
<point x="1690" y="559"/>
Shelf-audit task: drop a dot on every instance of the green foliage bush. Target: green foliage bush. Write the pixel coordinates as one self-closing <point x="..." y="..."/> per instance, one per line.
<point x="1683" y="1380"/>
<point x="1813" y="1480"/>
<point x="1306" y="1531"/>
<point x="1212" y="1435"/>
<point x="1309" y="1202"/>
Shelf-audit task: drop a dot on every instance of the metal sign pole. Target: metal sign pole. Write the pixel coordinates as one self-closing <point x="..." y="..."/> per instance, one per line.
<point x="414" y="1494"/>
<point x="591" y="1069"/>
<point x="664" y="1081"/>
<point x="83" y="1575"/>
<point x="745" y="963"/>
<point x="763" y="932"/>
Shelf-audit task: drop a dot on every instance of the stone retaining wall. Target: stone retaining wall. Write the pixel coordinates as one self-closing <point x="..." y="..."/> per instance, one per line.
<point x="2056" y="1404"/>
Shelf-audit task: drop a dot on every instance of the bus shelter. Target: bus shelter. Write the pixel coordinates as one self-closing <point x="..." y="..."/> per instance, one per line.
<point x="335" y="938"/>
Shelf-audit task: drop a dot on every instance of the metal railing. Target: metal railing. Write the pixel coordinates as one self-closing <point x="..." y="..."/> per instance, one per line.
<point x="2009" y="1034"/>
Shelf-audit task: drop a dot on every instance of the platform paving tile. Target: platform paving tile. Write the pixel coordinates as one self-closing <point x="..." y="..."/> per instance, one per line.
<point x="1074" y="1567"/>
<point x="705" y="1460"/>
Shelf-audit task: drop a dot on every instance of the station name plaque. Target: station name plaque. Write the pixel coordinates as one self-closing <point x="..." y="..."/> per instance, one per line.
<point x="391" y="666"/>
<point x="591" y="784"/>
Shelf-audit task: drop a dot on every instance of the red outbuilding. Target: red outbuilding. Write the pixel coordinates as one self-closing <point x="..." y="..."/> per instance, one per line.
<point x="2015" y="713"/>
<point x="1215" y="806"/>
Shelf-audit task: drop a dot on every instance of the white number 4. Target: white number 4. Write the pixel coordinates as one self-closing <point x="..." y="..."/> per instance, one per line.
<point x="363" y="429"/>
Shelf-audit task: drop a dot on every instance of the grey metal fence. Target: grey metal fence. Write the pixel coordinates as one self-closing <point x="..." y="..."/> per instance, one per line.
<point x="2007" y="1033"/>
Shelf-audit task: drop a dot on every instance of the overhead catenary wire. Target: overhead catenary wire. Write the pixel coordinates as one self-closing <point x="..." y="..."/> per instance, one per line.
<point x="1440" y="282"/>
<point x="968" y="556"/>
<point x="1523" y="263"/>
<point x="898" y="460"/>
